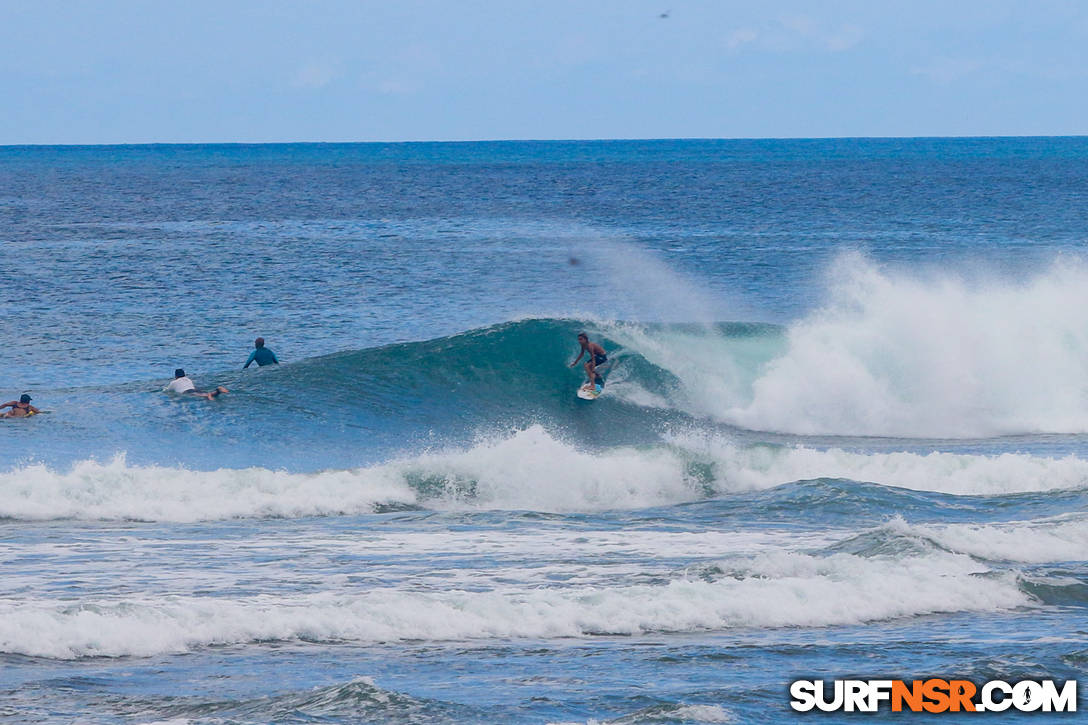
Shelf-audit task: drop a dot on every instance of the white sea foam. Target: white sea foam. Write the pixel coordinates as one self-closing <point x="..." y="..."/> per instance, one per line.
<point x="767" y="590"/>
<point x="526" y="470"/>
<point x="529" y="469"/>
<point x="418" y="560"/>
<point x="761" y="467"/>
<point x="897" y="354"/>
<point x="116" y="490"/>
<point x="1031" y="542"/>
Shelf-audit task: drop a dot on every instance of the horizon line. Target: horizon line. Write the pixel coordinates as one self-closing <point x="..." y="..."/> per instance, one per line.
<point x="539" y="140"/>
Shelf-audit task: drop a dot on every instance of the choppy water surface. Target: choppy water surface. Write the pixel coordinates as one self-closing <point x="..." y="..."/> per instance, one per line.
<point x="845" y="434"/>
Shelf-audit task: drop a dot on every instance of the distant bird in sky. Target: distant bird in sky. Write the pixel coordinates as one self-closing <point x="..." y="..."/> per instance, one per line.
<point x="665" y="14"/>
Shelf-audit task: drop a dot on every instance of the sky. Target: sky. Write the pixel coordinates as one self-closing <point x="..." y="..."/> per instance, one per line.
<point x="119" y="71"/>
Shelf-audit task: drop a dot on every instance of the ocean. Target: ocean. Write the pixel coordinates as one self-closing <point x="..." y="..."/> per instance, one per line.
<point x="845" y="432"/>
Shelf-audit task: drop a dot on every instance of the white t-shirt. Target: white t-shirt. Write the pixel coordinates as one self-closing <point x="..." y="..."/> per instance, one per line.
<point x="180" y="385"/>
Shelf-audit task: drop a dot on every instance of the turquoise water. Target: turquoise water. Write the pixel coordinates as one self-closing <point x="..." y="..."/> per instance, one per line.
<point x="845" y="433"/>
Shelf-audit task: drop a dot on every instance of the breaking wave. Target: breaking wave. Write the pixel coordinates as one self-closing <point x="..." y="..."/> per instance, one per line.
<point x="530" y="469"/>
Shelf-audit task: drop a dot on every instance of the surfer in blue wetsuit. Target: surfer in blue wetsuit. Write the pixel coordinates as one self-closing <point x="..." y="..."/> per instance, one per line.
<point x="261" y="355"/>
<point x="596" y="357"/>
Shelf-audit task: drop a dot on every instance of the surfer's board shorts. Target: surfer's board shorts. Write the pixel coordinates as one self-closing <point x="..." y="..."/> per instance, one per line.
<point x="600" y="359"/>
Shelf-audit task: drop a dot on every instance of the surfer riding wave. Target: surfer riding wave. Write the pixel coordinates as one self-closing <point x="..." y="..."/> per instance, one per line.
<point x="596" y="357"/>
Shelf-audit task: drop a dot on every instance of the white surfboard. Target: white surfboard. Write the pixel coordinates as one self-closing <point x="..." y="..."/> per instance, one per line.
<point x="590" y="393"/>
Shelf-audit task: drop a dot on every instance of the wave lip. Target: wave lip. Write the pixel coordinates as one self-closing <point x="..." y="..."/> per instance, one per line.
<point x="766" y="590"/>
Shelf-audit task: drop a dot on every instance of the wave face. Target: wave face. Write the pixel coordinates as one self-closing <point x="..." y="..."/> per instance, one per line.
<point x="888" y="355"/>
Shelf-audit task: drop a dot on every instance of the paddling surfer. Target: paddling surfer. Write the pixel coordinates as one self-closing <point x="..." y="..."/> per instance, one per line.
<point x="183" y="385"/>
<point x="20" y="408"/>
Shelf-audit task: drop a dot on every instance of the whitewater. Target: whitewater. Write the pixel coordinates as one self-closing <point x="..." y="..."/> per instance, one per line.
<point x="845" y="432"/>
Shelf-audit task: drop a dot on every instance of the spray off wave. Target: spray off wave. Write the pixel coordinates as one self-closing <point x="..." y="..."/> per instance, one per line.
<point x="892" y="354"/>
